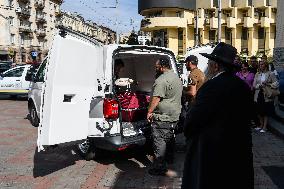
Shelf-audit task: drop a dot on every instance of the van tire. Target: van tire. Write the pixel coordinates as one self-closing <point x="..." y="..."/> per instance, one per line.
<point x="14" y="97"/>
<point x="88" y="151"/>
<point x="33" y="115"/>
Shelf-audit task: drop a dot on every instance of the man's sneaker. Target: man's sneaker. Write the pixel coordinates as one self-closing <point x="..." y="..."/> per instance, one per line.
<point x="257" y="129"/>
<point x="262" y="131"/>
<point x="157" y="172"/>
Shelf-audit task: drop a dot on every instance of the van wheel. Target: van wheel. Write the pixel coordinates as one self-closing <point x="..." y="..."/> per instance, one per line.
<point x="13" y="97"/>
<point x="87" y="150"/>
<point x="33" y="116"/>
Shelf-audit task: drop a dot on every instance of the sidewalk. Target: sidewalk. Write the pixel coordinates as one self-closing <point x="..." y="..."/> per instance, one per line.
<point x="276" y="123"/>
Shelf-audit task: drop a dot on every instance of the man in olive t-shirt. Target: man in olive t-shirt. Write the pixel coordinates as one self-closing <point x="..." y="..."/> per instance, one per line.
<point x="163" y="113"/>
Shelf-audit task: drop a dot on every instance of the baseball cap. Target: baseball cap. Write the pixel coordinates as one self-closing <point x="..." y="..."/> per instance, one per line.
<point x="193" y="59"/>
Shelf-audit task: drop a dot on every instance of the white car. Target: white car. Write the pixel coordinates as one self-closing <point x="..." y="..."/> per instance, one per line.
<point x="13" y="82"/>
<point x="34" y="95"/>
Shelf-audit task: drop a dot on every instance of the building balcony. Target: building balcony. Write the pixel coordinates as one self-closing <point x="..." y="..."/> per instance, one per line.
<point x="58" y="13"/>
<point x="39" y="4"/>
<point x="248" y="22"/>
<point x="243" y="4"/>
<point x="228" y="4"/>
<point x="163" y="22"/>
<point x="40" y="32"/>
<point x="23" y="12"/>
<point x="213" y="23"/>
<point x="231" y="22"/>
<point x="262" y="3"/>
<point x="25" y="29"/>
<point x="207" y="4"/>
<point x="265" y="22"/>
<point x="57" y="1"/>
<point x="200" y="22"/>
<point x="41" y="18"/>
<point x="24" y="1"/>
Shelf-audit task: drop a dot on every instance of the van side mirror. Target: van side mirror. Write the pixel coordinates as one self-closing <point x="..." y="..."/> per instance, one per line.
<point x="30" y="76"/>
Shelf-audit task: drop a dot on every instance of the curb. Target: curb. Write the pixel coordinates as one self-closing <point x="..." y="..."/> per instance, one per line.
<point x="276" y="127"/>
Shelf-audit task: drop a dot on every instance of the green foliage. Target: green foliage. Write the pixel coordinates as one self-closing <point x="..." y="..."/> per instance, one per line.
<point x="179" y="58"/>
<point x="133" y="39"/>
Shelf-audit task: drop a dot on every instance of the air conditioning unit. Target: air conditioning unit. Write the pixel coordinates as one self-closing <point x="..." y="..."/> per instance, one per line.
<point x="274" y="10"/>
<point x="18" y="9"/>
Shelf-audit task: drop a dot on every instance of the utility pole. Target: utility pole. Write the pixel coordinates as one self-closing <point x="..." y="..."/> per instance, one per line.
<point x="116" y="19"/>
<point x="132" y="24"/>
<point x="196" y="28"/>
<point x="117" y="14"/>
<point x="219" y="20"/>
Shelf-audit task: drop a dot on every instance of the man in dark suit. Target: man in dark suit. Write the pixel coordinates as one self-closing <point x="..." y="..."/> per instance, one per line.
<point x="220" y="146"/>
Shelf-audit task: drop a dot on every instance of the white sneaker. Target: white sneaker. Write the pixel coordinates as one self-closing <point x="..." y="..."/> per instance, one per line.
<point x="257" y="129"/>
<point x="262" y="131"/>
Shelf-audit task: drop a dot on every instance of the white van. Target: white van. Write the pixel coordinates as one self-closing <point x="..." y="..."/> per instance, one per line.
<point x="13" y="82"/>
<point x="80" y="100"/>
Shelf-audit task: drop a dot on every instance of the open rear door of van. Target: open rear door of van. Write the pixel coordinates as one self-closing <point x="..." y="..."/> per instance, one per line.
<point x="73" y="71"/>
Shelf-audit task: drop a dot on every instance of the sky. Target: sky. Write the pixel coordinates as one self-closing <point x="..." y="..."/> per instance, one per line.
<point x="99" y="12"/>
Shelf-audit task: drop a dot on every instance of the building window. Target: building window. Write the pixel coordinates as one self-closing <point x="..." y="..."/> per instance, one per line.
<point x="244" y="42"/>
<point x="155" y="14"/>
<point x="178" y="14"/>
<point x="12" y="38"/>
<point x="261" y="33"/>
<point x="228" y="35"/>
<point x="42" y="44"/>
<point x="244" y="34"/>
<point x="212" y="35"/>
<point x="180" y="41"/>
<point x="215" y="3"/>
<point x="249" y="2"/>
<point x="233" y="3"/>
<point x="10" y="3"/>
<point x="11" y="21"/>
<point x="22" y="37"/>
<point x="160" y="38"/>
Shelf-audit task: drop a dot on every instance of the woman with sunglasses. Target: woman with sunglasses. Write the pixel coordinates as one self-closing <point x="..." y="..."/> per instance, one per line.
<point x="245" y="75"/>
<point x="265" y="104"/>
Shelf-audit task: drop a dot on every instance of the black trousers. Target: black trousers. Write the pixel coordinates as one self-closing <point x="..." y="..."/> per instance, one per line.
<point x="163" y="143"/>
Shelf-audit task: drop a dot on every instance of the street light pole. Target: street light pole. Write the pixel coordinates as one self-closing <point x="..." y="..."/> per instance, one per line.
<point x="219" y="20"/>
<point x="196" y="28"/>
<point x="117" y="13"/>
<point x="116" y="19"/>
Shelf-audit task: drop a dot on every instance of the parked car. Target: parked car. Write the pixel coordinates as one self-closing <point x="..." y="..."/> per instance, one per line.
<point x="36" y="76"/>
<point x="73" y="96"/>
<point x="5" y="65"/>
<point x="13" y="82"/>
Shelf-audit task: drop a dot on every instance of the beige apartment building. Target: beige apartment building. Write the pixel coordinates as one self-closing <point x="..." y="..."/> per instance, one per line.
<point x="26" y="28"/>
<point x="249" y="25"/>
<point x="76" y="22"/>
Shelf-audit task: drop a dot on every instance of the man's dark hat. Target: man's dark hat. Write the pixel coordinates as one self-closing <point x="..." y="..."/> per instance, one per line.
<point x="223" y="54"/>
<point x="191" y="58"/>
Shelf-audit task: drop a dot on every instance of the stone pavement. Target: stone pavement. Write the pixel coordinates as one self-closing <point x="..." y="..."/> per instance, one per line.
<point x="22" y="167"/>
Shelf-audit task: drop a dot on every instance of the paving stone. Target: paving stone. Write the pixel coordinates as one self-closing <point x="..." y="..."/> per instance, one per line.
<point x="22" y="167"/>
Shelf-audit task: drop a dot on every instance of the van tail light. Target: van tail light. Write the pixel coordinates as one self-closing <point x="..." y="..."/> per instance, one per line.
<point x="110" y="109"/>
